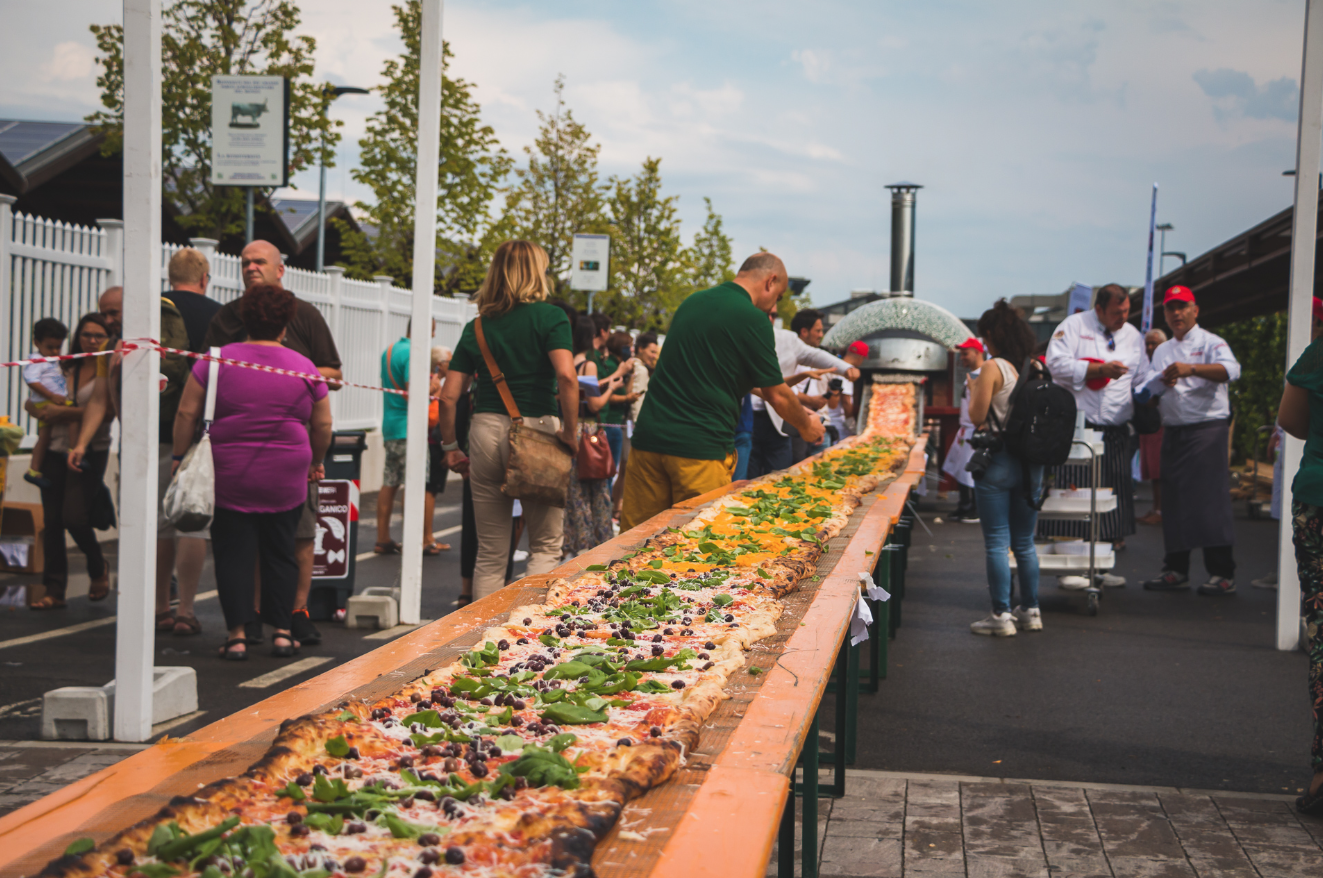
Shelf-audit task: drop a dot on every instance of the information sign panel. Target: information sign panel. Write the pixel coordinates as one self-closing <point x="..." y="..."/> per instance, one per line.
<point x="331" y="542"/>
<point x="589" y="261"/>
<point x="249" y="131"/>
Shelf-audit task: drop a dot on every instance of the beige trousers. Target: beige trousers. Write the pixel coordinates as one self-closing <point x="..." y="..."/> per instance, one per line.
<point x="489" y="451"/>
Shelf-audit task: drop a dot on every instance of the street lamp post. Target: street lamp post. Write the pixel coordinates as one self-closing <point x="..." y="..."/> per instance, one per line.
<point x="1164" y="228"/>
<point x="334" y="91"/>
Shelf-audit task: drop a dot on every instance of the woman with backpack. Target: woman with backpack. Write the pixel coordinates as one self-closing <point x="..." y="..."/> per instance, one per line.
<point x="1008" y="488"/>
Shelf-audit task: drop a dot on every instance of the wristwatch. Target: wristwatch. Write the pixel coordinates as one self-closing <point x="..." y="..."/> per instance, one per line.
<point x="450" y="446"/>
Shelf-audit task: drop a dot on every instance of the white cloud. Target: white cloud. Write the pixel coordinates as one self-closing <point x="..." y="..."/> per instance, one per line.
<point x="70" y="61"/>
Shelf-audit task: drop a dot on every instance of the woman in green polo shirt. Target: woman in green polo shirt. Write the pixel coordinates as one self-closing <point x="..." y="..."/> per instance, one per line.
<point x="530" y="341"/>
<point x="1301" y="415"/>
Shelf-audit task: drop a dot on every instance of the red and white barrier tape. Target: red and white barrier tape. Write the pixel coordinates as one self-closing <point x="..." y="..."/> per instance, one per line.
<point x="31" y="361"/>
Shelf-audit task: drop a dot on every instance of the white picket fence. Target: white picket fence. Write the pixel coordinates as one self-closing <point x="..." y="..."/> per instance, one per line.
<point x="55" y="269"/>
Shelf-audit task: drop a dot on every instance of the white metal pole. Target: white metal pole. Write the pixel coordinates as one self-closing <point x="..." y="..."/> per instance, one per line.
<point x="321" y="218"/>
<point x="134" y="636"/>
<point x="424" y="273"/>
<point x="6" y="291"/>
<point x="1304" y="228"/>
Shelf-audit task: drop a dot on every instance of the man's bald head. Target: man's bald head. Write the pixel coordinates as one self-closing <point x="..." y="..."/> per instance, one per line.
<point x="261" y="263"/>
<point x="111" y="306"/>
<point x="763" y="276"/>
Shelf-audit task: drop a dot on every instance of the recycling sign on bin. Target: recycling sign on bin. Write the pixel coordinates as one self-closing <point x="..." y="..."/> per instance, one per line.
<point x="336" y="508"/>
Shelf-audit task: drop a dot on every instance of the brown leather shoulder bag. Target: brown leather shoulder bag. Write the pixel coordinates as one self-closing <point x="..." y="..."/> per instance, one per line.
<point x="538" y="467"/>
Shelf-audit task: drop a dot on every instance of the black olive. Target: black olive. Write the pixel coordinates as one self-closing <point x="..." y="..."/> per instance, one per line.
<point x="704" y="655"/>
<point x="454" y="855"/>
<point x="709" y="645"/>
<point x="677" y="684"/>
<point x="293" y="817"/>
<point x="521" y="783"/>
<point x="705" y="666"/>
<point x="516" y="721"/>
<point x="429" y="839"/>
<point x="355" y="864"/>
<point x="452" y="765"/>
<point x="355" y="828"/>
<point x="425" y="795"/>
<point x="658" y="650"/>
<point x="319" y="769"/>
<point x="687" y="621"/>
<point x="429" y="856"/>
<point x="352" y="754"/>
<point x="450" y="806"/>
<point x="535" y="728"/>
<point x="528" y="621"/>
<point x="352" y="772"/>
<point x="479" y="768"/>
<point x="494" y="752"/>
<point x="304" y="779"/>
<point x="423" y="872"/>
<point x="431" y="750"/>
<point x="550" y="729"/>
<point x="655" y="732"/>
<point x="415" y="698"/>
<point x="522" y="641"/>
<point x="380" y="713"/>
<point x="503" y="645"/>
<point x="299" y="830"/>
<point x="438" y="695"/>
<point x="667" y="631"/>
<point x="733" y="625"/>
<point x="624" y="742"/>
<point x="487" y="702"/>
<point x="518" y="704"/>
<point x="729" y="618"/>
<point x="124" y="857"/>
<point x="406" y="802"/>
<point x="405" y="762"/>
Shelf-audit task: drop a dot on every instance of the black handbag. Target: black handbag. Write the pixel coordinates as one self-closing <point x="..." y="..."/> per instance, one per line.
<point x="101" y="515"/>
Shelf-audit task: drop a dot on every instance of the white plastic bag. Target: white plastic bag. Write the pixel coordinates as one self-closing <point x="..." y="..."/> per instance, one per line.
<point x="190" y="500"/>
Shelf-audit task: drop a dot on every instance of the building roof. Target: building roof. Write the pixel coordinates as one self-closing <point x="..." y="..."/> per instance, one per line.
<point x="33" y="152"/>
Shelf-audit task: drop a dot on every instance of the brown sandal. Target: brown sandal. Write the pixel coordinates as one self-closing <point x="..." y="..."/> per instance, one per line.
<point x="390" y="547"/>
<point x="436" y="548"/>
<point x="186" y="626"/>
<point x="100" y="588"/>
<point x="165" y="622"/>
<point x="49" y="602"/>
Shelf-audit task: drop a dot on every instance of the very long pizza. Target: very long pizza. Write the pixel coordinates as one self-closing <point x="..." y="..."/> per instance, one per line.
<point x="517" y="758"/>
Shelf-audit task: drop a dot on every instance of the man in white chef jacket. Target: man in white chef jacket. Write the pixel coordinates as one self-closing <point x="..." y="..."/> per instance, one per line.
<point x="971" y="355"/>
<point x="1100" y="359"/>
<point x="1195" y="367"/>
<point x="772" y="449"/>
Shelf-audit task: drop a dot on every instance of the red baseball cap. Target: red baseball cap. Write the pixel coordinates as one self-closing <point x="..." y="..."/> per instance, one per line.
<point x="1178" y="294"/>
<point x="971" y="343"/>
<point x="858" y="347"/>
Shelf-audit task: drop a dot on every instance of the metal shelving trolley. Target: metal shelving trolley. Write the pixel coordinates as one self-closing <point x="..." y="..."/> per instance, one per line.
<point x="1068" y="505"/>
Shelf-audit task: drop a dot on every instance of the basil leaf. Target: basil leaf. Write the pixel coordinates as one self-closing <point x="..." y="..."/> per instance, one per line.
<point x="656" y="563"/>
<point x="347" y="716"/>
<point x="542" y="768"/>
<point x="177" y="848"/>
<point x="722" y="600"/>
<point x="708" y="548"/>
<point x="563" y="713"/>
<point x="654" y="686"/>
<point x="570" y="670"/>
<point x="155" y="870"/>
<point x="595" y="567"/>
<point x="561" y="741"/>
<point x="398" y="828"/>
<point x="81" y="846"/>
<point x="338" y="746"/>
<point x="429" y="718"/>
<point x="548" y="640"/>
<point x="294" y="791"/>
<point x="162" y="834"/>
<point x="511" y="743"/>
<point x="331" y="824"/>
<point x="325" y="790"/>
<point x="763" y="573"/>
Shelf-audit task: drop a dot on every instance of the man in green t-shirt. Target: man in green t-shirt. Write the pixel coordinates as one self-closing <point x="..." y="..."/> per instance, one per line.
<point x="719" y="347"/>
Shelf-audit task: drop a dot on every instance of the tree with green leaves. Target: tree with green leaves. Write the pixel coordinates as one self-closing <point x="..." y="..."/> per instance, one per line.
<point x="649" y="269"/>
<point x="709" y="258"/>
<point x="1259" y="344"/>
<point x="201" y="39"/>
<point x="558" y="194"/>
<point x="473" y="164"/>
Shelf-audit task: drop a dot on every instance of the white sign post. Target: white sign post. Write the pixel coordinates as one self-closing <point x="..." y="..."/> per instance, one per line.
<point x="249" y="134"/>
<point x="590" y="260"/>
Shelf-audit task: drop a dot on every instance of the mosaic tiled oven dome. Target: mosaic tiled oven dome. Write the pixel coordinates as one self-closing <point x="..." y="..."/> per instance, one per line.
<point x="910" y="315"/>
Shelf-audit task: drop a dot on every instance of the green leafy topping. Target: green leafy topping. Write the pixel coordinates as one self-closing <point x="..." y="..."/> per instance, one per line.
<point x="656" y="563"/>
<point x="763" y="574"/>
<point x="347" y="716"/>
<point x="338" y="746"/>
<point x="331" y="824"/>
<point x="482" y="658"/>
<point x="543" y="768"/>
<point x="399" y="828"/>
<point x="293" y="791"/>
<point x="595" y="567"/>
<point x="548" y="640"/>
<point x="326" y="790"/>
<point x="561" y="741"/>
<point x="179" y="847"/>
<point x="722" y="600"/>
<point x="755" y="670"/>
<point x="155" y="870"/>
<point x="510" y="743"/>
<point x="81" y="846"/>
<point x="565" y="713"/>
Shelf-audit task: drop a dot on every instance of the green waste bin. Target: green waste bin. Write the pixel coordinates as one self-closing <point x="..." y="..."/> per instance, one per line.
<point x="335" y="544"/>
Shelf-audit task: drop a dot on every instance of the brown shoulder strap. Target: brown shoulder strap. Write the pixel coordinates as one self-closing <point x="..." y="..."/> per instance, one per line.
<point x="498" y="378"/>
<point x="390" y="373"/>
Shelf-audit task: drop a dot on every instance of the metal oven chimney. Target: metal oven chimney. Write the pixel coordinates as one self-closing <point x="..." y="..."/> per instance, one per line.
<point x="902" y="238"/>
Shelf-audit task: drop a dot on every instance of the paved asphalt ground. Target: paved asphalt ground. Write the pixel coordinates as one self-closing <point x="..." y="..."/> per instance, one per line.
<point x="84" y="656"/>
<point x="1164" y="689"/>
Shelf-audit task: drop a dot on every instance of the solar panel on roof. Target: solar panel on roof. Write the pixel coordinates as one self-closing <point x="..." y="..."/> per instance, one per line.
<point x="21" y="140"/>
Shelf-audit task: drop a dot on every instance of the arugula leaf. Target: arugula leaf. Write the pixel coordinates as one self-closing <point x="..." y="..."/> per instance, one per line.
<point x="654" y="686"/>
<point x="763" y="574"/>
<point x="294" y="791"/>
<point x="722" y="600"/>
<point x="563" y="713"/>
<point x="81" y="846"/>
<point x="155" y="870"/>
<point x="398" y="828"/>
<point x="656" y="563"/>
<point x="429" y="718"/>
<point x="331" y="824"/>
<point x="561" y="741"/>
<point x="511" y="743"/>
<point x="326" y="790"/>
<point x="543" y="768"/>
<point x="548" y="640"/>
<point x="505" y="716"/>
<point x="162" y="834"/>
<point x="595" y="567"/>
<point x="347" y="716"/>
<point x="178" y="847"/>
<point x="338" y="746"/>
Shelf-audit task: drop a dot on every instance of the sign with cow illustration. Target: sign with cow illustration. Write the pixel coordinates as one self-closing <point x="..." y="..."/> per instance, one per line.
<point x="249" y="131"/>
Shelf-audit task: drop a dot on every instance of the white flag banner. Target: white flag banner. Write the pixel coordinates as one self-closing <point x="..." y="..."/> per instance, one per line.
<point x="874" y="591"/>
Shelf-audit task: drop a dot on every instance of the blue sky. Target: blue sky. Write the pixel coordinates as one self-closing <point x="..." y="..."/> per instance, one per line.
<point x="1037" y="128"/>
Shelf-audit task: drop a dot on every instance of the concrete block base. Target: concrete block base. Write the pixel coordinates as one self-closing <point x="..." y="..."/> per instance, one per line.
<point x="76" y="713"/>
<point x="85" y="713"/>
<point x="372" y="611"/>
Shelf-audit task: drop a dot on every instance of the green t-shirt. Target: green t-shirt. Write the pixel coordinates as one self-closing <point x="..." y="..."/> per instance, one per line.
<point x="519" y="341"/>
<point x="718" y="348"/>
<point x="395" y="408"/>
<point x="1307" y="374"/>
<point x="612" y="412"/>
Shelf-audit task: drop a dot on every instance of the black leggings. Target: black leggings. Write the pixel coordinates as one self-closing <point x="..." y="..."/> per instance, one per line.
<point x="238" y="541"/>
<point x="65" y="506"/>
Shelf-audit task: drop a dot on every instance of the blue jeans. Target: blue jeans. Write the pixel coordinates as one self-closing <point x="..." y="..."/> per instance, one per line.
<point x="771" y="451"/>
<point x="743" y="447"/>
<point x="615" y="439"/>
<point x="1008" y="522"/>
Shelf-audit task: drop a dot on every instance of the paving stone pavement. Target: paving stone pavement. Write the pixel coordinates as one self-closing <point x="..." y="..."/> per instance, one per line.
<point x="895" y="825"/>
<point x="30" y="770"/>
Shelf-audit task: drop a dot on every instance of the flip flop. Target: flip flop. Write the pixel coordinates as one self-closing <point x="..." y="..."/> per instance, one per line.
<point x="436" y="548"/>
<point x="186" y="626"/>
<point x="165" y="622"/>
<point x="49" y="602"/>
<point x="390" y="547"/>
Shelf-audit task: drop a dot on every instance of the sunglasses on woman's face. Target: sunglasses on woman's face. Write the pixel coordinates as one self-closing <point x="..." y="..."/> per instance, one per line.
<point x="93" y="336"/>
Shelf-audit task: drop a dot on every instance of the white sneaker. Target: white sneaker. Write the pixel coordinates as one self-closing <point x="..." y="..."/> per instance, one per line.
<point x="1111" y="580"/>
<point x="996" y="625"/>
<point x="1073" y="583"/>
<point x="1028" y="620"/>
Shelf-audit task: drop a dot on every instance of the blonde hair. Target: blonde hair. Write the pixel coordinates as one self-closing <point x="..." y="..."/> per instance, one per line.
<point x="188" y="266"/>
<point x="518" y="273"/>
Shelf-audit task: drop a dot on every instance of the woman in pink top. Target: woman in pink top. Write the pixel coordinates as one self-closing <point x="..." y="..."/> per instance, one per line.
<point x="268" y="439"/>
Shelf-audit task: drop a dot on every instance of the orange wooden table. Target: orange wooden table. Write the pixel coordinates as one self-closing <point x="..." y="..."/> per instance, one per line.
<point x="735" y="809"/>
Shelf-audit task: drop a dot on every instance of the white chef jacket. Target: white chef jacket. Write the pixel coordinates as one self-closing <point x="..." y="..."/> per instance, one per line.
<point x="1195" y="400"/>
<point x="1083" y="335"/>
<point x="792" y="353"/>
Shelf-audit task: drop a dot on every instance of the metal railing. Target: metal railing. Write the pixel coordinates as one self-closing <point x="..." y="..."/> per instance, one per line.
<point x="56" y="269"/>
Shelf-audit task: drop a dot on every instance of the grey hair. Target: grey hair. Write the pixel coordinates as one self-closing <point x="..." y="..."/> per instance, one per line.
<point x="764" y="261"/>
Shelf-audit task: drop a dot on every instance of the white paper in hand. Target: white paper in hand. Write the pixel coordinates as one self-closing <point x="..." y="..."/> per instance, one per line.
<point x="875" y="592"/>
<point x="859" y="622"/>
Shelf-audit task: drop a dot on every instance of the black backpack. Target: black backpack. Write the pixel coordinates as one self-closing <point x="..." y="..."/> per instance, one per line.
<point x="1040" y="424"/>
